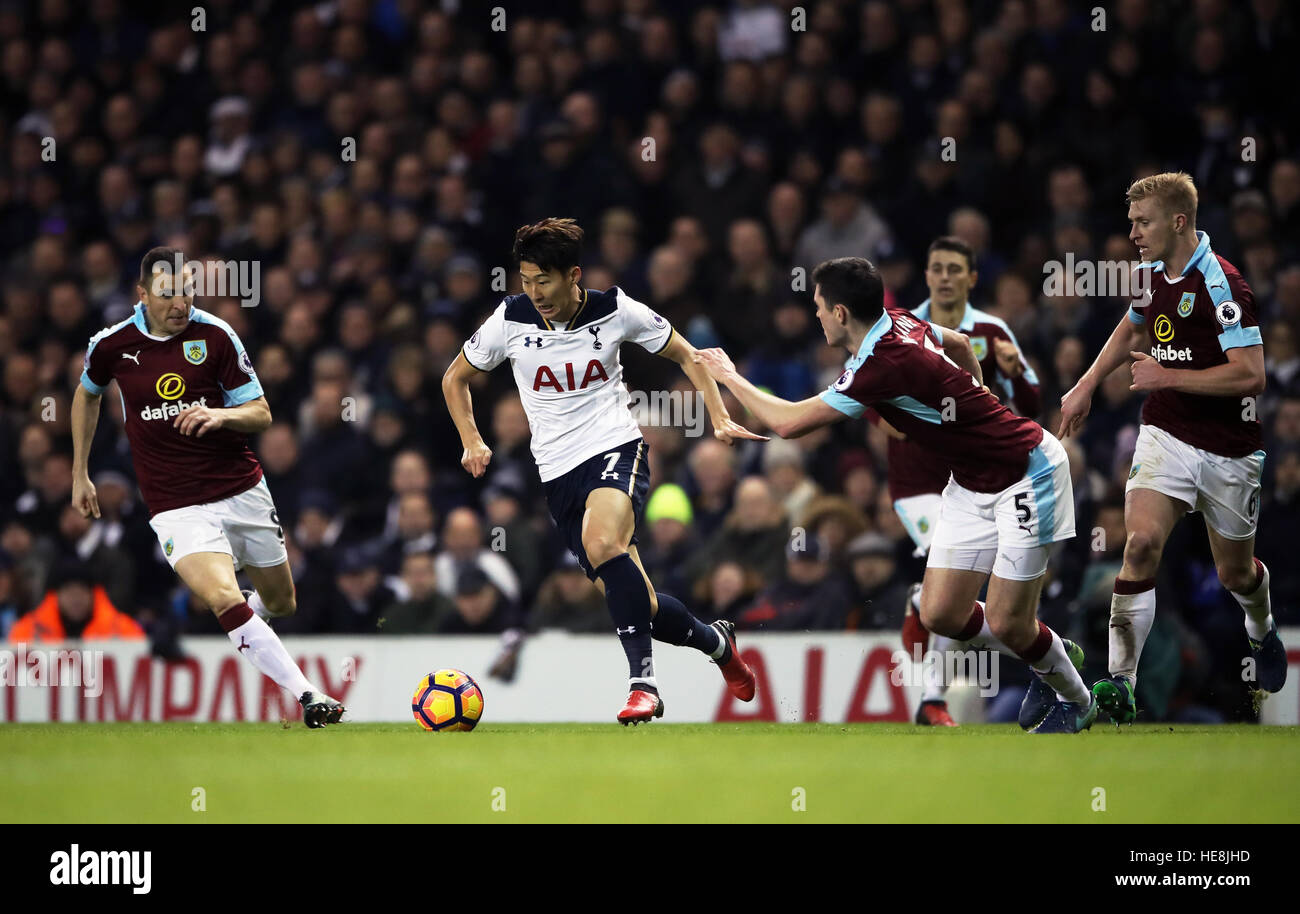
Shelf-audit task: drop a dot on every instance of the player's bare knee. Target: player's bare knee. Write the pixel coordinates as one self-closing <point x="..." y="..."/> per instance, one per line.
<point x="1015" y="632"/>
<point x="601" y="548"/>
<point x="1142" y="551"/>
<point x="941" y="620"/>
<point x="1238" y="578"/>
<point x="279" y="606"/>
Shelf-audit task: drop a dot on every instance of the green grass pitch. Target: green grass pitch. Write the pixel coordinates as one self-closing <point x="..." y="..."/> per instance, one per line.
<point x="659" y="772"/>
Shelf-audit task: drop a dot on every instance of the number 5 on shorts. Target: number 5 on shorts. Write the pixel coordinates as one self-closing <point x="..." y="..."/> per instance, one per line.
<point x="1023" y="511"/>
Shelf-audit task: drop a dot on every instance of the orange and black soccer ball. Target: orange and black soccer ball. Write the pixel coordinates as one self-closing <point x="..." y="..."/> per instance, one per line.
<point x="447" y="700"/>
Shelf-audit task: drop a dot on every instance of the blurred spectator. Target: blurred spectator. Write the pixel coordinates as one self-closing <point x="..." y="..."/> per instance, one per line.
<point x="672" y="543"/>
<point x="75" y="607"/>
<point x="505" y="509"/>
<point x="783" y="467"/>
<point x="713" y="476"/>
<point x="810" y="597"/>
<point x="753" y="535"/>
<point x="569" y="602"/>
<point x="724" y="593"/>
<point x="462" y="540"/>
<point x="881" y="591"/>
<point x="849" y="227"/>
<point x="360" y="594"/>
<point x="481" y="608"/>
<point x="423" y="609"/>
<point x="8" y="594"/>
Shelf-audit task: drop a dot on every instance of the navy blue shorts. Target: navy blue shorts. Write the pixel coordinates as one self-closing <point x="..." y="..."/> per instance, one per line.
<point x="624" y="467"/>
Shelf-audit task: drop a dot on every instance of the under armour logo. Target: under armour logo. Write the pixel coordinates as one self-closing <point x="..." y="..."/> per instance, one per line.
<point x="630" y="630"/>
<point x="134" y="358"/>
<point x="595" y="333"/>
<point x="529" y="341"/>
<point x="243" y="644"/>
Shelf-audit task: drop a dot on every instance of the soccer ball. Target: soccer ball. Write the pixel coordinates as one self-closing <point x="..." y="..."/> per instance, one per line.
<point x="447" y="700"/>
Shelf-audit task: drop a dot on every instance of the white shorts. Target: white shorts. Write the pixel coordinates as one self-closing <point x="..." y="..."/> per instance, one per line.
<point x="919" y="515"/>
<point x="244" y="527"/>
<point x="1008" y="532"/>
<point x="1225" y="489"/>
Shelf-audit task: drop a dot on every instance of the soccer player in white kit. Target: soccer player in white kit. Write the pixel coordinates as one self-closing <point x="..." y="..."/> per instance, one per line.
<point x="1199" y="445"/>
<point x="563" y="345"/>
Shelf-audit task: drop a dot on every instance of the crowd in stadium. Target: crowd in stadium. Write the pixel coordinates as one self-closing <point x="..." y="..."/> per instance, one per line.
<point x="711" y="152"/>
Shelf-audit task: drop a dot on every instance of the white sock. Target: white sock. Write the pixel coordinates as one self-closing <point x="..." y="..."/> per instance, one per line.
<point x="256" y="604"/>
<point x="641" y="682"/>
<point x="934" y="689"/>
<point x="721" y="648"/>
<point x="1055" y="669"/>
<point x="1258" y="607"/>
<point x="1131" y="615"/>
<point x="255" y="640"/>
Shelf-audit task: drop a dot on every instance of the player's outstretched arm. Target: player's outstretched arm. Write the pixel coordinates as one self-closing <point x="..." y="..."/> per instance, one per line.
<point x="789" y="420"/>
<point x="85" y="418"/>
<point x="246" y="418"/>
<point x="455" y="390"/>
<point x="725" y="428"/>
<point x="1077" y="402"/>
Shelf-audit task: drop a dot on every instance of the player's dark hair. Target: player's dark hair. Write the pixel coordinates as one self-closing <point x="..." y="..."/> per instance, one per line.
<point x="552" y="244"/>
<point x="161" y="255"/>
<point x="854" y="283"/>
<point x="955" y="245"/>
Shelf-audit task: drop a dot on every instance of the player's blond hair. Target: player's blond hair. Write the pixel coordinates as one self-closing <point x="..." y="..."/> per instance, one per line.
<point x="1174" y="190"/>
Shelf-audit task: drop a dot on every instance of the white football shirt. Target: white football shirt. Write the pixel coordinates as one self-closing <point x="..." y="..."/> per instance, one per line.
<point x="570" y="380"/>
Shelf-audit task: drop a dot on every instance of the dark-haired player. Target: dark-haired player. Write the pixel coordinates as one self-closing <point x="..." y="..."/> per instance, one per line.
<point x="562" y="342"/>
<point x="1199" y="445"/>
<point x="1009" y="497"/>
<point x="191" y="399"/>
<point x="917" y="476"/>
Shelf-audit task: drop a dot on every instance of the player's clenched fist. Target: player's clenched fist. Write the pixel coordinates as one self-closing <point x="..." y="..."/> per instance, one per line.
<point x="198" y="421"/>
<point x="1148" y="374"/>
<point x="476" y="458"/>
<point x="84" y="497"/>
<point x="1008" y="357"/>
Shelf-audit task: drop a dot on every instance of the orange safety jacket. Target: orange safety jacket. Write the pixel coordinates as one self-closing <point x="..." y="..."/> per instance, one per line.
<point x="43" y="622"/>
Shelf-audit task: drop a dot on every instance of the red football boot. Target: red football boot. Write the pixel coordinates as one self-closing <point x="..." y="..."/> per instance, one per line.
<point x="641" y="706"/>
<point x="914" y="633"/>
<point x="740" y="678"/>
<point x="934" y="714"/>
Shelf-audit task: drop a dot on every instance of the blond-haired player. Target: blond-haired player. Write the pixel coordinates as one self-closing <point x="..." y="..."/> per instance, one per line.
<point x="1199" y="446"/>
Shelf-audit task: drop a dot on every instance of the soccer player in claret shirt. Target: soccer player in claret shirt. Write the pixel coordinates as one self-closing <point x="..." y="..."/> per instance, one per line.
<point x="1009" y="497"/>
<point x="1199" y="445"/>
<point x="191" y="399"/>
<point x="563" y="344"/>
<point x="917" y="475"/>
